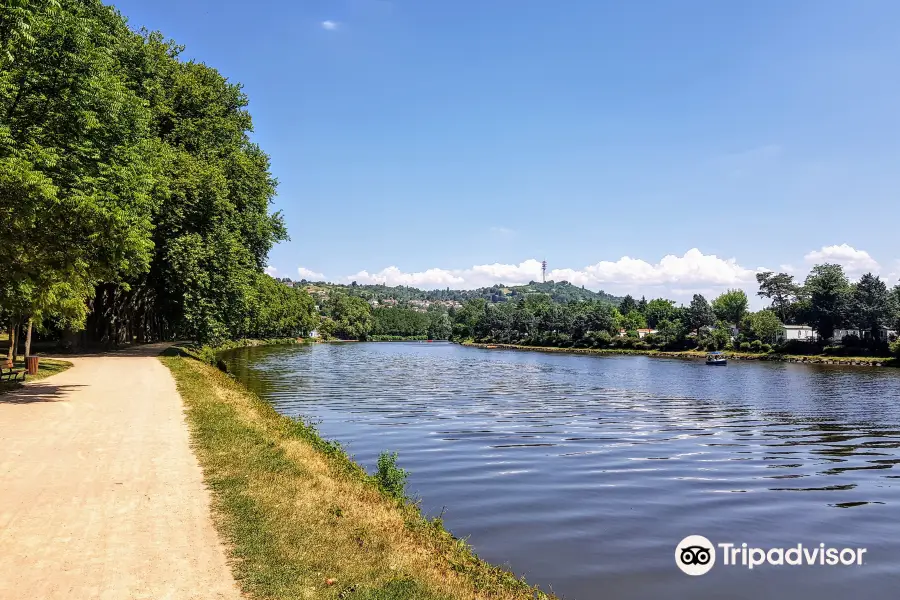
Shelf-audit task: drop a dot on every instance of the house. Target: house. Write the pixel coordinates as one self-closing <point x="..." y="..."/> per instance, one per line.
<point x="641" y="332"/>
<point x="804" y="333"/>
<point x="884" y="334"/>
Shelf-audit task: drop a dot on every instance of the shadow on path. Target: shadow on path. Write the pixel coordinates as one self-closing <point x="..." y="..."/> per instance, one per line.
<point x="130" y="351"/>
<point x="39" y="392"/>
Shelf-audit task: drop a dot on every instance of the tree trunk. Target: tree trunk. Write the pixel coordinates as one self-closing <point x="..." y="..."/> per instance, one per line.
<point x="28" y="337"/>
<point x="12" y="340"/>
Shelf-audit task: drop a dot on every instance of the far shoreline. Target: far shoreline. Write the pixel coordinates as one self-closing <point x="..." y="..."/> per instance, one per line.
<point x="818" y="359"/>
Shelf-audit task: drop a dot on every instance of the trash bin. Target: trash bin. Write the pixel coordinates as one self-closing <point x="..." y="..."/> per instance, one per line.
<point x="31" y="365"/>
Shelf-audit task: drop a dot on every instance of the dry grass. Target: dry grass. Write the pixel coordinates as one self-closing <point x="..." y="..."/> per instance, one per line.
<point x="296" y="512"/>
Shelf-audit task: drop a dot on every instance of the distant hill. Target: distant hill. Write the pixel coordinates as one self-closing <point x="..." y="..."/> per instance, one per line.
<point x="563" y="291"/>
<point x="559" y="291"/>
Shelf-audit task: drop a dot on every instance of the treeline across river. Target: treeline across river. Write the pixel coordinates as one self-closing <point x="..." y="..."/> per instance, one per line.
<point x="133" y="205"/>
<point x="826" y="301"/>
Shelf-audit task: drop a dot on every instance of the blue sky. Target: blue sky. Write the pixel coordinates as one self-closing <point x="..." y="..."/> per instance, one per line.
<point x="460" y="142"/>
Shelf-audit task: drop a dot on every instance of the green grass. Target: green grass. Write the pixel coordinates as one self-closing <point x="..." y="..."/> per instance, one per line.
<point x="46" y="368"/>
<point x="302" y="520"/>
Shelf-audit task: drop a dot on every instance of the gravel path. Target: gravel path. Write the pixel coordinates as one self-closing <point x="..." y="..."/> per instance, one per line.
<point x="100" y="494"/>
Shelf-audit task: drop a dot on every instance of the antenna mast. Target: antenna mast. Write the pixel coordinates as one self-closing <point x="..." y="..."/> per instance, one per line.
<point x="544" y="271"/>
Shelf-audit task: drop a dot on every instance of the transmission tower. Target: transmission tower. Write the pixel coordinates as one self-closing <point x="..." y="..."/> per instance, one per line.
<point x="544" y="271"/>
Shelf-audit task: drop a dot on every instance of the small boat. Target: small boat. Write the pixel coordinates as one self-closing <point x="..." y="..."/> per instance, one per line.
<point x="716" y="358"/>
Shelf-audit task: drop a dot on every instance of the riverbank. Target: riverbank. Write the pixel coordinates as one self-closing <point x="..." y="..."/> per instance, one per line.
<point x="301" y="519"/>
<point x="865" y="361"/>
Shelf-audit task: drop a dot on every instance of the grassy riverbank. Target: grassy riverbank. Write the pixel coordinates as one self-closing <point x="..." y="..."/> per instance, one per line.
<point x="302" y="520"/>
<point x="46" y="368"/>
<point x="867" y="361"/>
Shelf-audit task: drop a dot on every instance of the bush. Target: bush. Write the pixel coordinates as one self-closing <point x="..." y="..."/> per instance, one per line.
<point x="745" y="346"/>
<point x="766" y="348"/>
<point x="895" y="348"/>
<point x="851" y="340"/>
<point x="602" y="339"/>
<point x="390" y="478"/>
<point x="756" y="346"/>
<point x="799" y="347"/>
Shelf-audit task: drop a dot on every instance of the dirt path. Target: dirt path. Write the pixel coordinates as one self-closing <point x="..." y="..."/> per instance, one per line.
<point x="100" y="494"/>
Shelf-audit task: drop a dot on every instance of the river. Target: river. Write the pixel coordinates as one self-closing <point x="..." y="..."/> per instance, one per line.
<point x="584" y="472"/>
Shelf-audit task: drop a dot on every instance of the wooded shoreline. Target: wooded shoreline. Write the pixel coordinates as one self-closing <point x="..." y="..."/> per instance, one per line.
<point x="860" y="361"/>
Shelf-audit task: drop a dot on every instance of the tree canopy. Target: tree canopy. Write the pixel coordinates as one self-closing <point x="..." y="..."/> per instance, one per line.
<point x="132" y="201"/>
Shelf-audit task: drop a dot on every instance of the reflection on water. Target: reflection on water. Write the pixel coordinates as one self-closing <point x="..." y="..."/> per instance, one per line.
<point x="584" y="472"/>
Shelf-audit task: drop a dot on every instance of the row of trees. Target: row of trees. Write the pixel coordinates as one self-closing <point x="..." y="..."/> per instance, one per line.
<point x="133" y="205"/>
<point x="827" y="300"/>
<point x="352" y="318"/>
<point x="536" y="320"/>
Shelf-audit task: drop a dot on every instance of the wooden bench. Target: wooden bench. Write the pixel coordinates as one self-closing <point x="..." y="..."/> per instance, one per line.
<point x="10" y="373"/>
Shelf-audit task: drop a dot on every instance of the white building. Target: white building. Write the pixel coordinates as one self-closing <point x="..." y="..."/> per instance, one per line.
<point x="804" y="333"/>
<point x="884" y="334"/>
<point x="641" y="332"/>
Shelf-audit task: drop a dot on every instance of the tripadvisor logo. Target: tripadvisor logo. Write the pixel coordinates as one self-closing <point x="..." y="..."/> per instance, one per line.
<point x="696" y="555"/>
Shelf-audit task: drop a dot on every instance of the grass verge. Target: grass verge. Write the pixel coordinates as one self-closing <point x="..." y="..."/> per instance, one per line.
<point x="46" y="368"/>
<point x="869" y="361"/>
<point x="302" y="520"/>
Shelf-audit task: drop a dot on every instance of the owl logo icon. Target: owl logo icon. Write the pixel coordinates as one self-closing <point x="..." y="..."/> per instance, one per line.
<point x="695" y="555"/>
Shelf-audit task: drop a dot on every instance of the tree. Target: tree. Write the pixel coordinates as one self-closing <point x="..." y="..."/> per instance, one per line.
<point x="895" y="308"/>
<point x="633" y="320"/>
<point x="731" y="306"/>
<point x="627" y="305"/>
<point x="670" y="331"/>
<point x="780" y="289"/>
<point x="132" y="199"/>
<point x="439" y="326"/>
<point x="829" y="294"/>
<point x="659" y="310"/>
<point x="870" y="305"/>
<point x="700" y="314"/>
<point x="763" y="325"/>
<point x="351" y="317"/>
<point x="642" y="305"/>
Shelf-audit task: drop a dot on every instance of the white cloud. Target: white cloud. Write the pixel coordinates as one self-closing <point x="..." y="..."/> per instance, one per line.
<point x="497" y="230"/>
<point x="694" y="269"/>
<point x="855" y="262"/>
<point x="270" y="270"/>
<point x="679" y="276"/>
<point x="672" y="276"/>
<point x="309" y="274"/>
<point x="329" y="25"/>
<point x="477" y="276"/>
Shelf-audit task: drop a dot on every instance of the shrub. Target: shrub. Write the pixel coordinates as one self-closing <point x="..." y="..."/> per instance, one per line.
<point x="390" y="478"/>
<point x="756" y="346"/>
<point x="799" y="347"/>
<point x="745" y="346"/>
<point x="895" y="348"/>
<point x="766" y="347"/>
<point x="850" y="340"/>
<point x="602" y="339"/>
